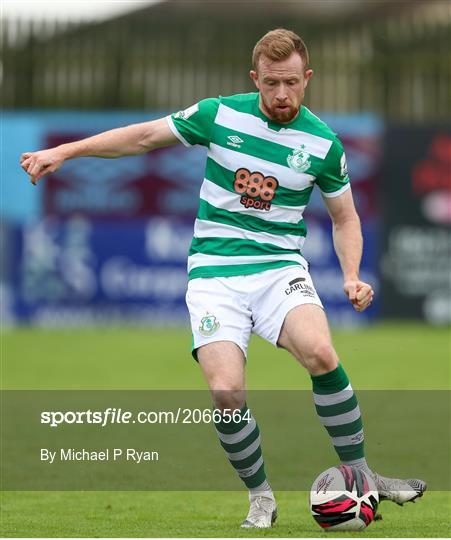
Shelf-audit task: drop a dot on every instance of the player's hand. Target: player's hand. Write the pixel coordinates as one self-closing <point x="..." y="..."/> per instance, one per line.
<point x="38" y="164"/>
<point x="360" y="294"/>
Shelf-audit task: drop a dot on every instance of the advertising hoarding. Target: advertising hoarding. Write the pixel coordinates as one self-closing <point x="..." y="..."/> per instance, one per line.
<point x="416" y="203"/>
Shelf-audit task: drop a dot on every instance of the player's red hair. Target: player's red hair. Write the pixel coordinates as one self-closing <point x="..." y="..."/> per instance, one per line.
<point x="279" y="44"/>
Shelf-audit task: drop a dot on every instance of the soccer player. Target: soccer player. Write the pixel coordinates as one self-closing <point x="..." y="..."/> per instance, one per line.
<point x="266" y="152"/>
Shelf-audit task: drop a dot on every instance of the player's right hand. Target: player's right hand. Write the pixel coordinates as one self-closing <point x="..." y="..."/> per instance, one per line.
<point x="38" y="164"/>
<point x="360" y="294"/>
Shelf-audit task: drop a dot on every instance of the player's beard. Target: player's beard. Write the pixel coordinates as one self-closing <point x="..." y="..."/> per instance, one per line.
<point x="282" y="115"/>
<point x="285" y="114"/>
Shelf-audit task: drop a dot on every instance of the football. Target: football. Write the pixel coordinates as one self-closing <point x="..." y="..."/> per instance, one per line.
<point x="343" y="498"/>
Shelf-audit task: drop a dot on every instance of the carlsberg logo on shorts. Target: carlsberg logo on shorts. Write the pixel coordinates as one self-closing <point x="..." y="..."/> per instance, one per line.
<point x="299" y="285"/>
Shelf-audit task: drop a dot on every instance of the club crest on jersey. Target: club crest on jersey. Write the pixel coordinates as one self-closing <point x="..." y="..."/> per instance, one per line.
<point x="299" y="160"/>
<point x="208" y="325"/>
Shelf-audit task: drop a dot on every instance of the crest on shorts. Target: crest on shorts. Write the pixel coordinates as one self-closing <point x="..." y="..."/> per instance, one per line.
<point x="299" y="160"/>
<point x="208" y="325"/>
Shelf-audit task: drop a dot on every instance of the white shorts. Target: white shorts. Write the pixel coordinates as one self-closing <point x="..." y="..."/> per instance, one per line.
<point x="231" y="308"/>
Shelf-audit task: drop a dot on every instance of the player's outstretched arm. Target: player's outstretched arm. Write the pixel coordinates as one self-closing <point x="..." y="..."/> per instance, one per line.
<point x="348" y="243"/>
<point x="125" y="141"/>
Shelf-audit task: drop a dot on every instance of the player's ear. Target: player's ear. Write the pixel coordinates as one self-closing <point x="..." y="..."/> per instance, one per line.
<point x="254" y="76"/>
<point x="307" y="75"/>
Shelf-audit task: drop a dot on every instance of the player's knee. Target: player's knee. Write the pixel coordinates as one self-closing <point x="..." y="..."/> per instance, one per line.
<point x="229" y="397"/>
<point x="322" y="358"/>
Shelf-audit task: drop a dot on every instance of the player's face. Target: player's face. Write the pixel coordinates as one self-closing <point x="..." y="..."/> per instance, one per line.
<point x="282" y="86"/>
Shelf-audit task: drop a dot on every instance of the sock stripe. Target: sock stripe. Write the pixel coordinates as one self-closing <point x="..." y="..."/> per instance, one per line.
<point x="248" y="461"/>
<point x="339" y="408"/>
<point x="233" y="438"/>
<point x="241" y="441"/>
<point x="351" y="452"/>
<point x="242" y="445"/>
<point x="330" y="383"/>
<point x="251" y="470"/>
<point x="341" y="419"/>
<point x="264" y="486"/>
<point x="346" y="429"/>
<point x="257" y="479"/>
<point x="333" y="398"/>
<point x="348" y="440"/>
<point x="246" y="452"/>
<point x="232" y="426"/>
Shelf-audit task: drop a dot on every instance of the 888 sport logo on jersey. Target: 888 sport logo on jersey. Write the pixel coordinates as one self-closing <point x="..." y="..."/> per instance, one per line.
<point x="257" y="191"/>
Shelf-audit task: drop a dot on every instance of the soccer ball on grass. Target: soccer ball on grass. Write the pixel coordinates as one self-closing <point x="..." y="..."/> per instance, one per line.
<point x="343" y="499"/>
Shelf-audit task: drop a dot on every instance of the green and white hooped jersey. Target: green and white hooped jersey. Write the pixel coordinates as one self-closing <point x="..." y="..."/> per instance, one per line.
<point x="258" y="180"/>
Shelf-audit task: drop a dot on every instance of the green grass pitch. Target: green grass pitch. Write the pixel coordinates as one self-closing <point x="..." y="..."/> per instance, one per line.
<point x="395" y="356"/>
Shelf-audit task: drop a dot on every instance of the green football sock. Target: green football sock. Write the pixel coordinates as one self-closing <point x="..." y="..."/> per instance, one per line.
<point x="241" y="441"/>
<point x="338" y="411"/>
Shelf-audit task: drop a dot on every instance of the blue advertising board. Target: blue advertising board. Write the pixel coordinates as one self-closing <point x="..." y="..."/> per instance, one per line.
<point x="79" y="272"/>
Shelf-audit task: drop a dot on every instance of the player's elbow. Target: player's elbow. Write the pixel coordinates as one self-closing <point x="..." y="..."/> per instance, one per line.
<point x="146" y="141"/>
<point x="349" y="219"/>
<point x="154" y="134"/>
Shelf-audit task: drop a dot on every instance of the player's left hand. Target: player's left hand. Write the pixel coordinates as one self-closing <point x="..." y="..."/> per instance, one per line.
<point x="360" y="294"/>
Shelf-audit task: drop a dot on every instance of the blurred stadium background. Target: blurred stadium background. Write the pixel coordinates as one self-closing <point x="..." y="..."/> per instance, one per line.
<point x="102" y="242"/>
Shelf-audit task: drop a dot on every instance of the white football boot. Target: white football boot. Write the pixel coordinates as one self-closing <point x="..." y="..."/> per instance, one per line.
<point x="398" y="491"/>
<point x="262" y="512"/>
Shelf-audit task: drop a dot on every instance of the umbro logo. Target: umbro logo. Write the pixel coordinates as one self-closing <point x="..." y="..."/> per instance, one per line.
<point x="235" y="141"/>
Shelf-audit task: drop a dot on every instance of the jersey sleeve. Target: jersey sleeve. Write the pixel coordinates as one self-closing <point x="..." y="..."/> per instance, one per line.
<point x="194" y="125"/>
<point x="333" y="180"/>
